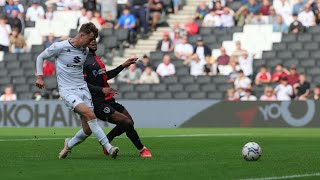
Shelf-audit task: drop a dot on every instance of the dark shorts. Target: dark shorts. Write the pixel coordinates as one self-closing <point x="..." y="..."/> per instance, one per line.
<point x="105" y="109"/>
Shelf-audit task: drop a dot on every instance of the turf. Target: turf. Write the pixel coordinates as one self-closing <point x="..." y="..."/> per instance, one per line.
<point x="215" y="154"/>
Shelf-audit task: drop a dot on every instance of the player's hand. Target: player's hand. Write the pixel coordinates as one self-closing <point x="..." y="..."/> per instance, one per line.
<point x="40" y="82"/>
<point x="129" y="62"/>
<point x="109" y="91"/>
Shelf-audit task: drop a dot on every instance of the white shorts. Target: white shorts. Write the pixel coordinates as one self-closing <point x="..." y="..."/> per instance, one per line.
<point x="73" y="97"/>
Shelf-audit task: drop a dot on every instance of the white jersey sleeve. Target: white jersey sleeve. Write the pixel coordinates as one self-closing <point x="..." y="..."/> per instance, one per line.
<point x="50" y="52"/>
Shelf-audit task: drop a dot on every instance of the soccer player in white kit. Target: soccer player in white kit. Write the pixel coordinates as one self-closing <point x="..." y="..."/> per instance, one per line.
<point x="70" y="56"/>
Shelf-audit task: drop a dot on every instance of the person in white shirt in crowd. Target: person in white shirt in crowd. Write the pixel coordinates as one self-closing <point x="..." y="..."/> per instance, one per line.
<point x="268" y="94"/>
<point x="149" y="76"/>
<point x="184" y="50"/>
<point x="166" y="68"/>
<point x="284" y="91"/>
<point x="73" y="5"/>
<point x="5" y="31"/>
<point x="130" y="75"/>
<point x="90" y="18"/>
<point x="196" y="66"/>
<point x="83" y="17"/>
<point x="35" y="11"/>
<point x="8" y="95"/>
<point x="246" y="64"/>
<point x="241" y="83"/>
<point x="201" y="50"/>
<point x="50" y="13"/>
<point x="258" y="20"/>
<point x="211" y="20"/>
<point x="248" y="96"/>
<point x="283" y="8"/>
<point x="20" y="6"/>
<point x="232" y="70"/>
<point x="238" y="51"/>
<point x="306" y="17"/>
<point x="165" y="44"/>
<point x="226" y="18"/>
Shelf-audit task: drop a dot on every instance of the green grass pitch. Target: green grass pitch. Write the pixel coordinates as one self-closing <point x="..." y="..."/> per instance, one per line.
<point x="177" y="154"/>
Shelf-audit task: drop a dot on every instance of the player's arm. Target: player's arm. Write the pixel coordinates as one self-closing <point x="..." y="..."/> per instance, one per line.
<point x="114" y="72"/>
<point x="51" y="51"/>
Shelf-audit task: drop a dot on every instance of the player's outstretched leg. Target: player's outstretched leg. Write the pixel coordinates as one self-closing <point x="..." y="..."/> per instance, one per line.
<point x="80" y="136"/>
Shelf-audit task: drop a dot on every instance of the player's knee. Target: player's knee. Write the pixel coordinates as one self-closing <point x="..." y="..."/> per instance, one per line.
<point x="89" y="115"/>
<point x="128" y="122"/>
<point x="87" y="131"/>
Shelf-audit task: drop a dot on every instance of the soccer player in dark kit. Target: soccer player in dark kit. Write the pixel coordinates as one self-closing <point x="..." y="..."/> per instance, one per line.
<point x="105" y="106"/>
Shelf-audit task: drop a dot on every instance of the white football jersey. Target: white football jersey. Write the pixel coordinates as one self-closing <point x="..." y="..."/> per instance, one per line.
<point x="68" y="64"/>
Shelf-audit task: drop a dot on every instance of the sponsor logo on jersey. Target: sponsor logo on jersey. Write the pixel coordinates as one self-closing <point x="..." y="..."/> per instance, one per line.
<point x="98" y="72"/>
<point x="76" y="59"/>
<point x="74" y="65"/>
<point x="106" y="110"/>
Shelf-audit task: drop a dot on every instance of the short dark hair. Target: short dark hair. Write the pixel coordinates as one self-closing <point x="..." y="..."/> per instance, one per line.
<point x="88" y="28"/>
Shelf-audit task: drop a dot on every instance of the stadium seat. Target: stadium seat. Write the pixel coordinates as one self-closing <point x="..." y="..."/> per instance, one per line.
<point x="26" y="57"/>
<point x="203" y="79"/>
<point x="268" y="54"/>
<point x="198" y="95"/>
<point x="101" y="50"/>
<point x="3" y="72"/>
<point x="289" y="38"/>
<point x="19" y="80"/>
<point x="164" y="95"/>
<point x="10" y="57"/>
<point x="148" y="95"/>
<point x="37" y="49"/>
<point x="273" y="62"/>
<point x="311" y="46"/>
<point x="13" y="64"/>
<point x="106" y="32"/>
<point x="170" y="80"/>
<point x="178" y="63"/>
<point x="284" y="54"/>
<point x="25" y="96"/>
<point x="142" y="88"/>
<point x="224" y="87"/>
<point x="30" y="72"/>
<point x="204" y="31"/>
<point x="219" y="31"/>
<point x="158" y="87"/>
<point x="175" y="87"/>
<point x="209" y="39"/>
<point x="131" y="95"/>
<point x="110" y="42"/>
<point x="183" y="71"/>
<point x="156" y="55"/>
<point x="73" y="32"/>
<point x="208" y="87"/>
<point x="181" y="95"/>
<point x="234" y="5"/>
<point x="219" y="79"/>
<point x="301" y="54"/>
<point x="126" y="87"/>
<point x="30" y="24"/>
<point x="315" y="54"/>
<point x="193" y="39"/>
<point x="15" y="73"/>
<point x="51" y="82"/>
<point x="222" y="38"/>
<point x="235" y="29"/>
<point x="121" y="34"/>
<point x="308" y="63"/>
<point x="5" y="81"/>
<point x="192" y="87"/>
<point x="186" y="79"/>
<point x="291" y="62"/>
<point x="304" y="37"/>
<point x="294" y="46"/>
<point x="21" y="88"/>
<point x="215" y="95"/>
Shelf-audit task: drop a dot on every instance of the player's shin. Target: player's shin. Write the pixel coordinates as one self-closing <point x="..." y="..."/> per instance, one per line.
<point x="99" y="133"/>
<point x="134" y="137"/>
<point x="77" y="139"/>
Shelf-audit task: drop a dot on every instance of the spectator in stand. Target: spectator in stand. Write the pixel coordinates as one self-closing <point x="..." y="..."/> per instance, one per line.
<point x="280" y="26"/>
<point x="233" y="73"/>
<point x="149" y="76"/>
<point x="196" y="66"/>
<point x="218" y="8"/>
<point x="176" y="4"/>
<point x="242" y="16"/>
<point x="280" y="73"/>
<point x="8" y="95"/>
<point x="37" y="96"/>
<point x="283" y="8"/>
<point x="20" y="6"/>
<point x="316" y="11"/>
<point x="191" y="27"/>
<point x="246" y="64"/>
<point x="49" y="40"/>
<point x="35" y="11"/>
<point x="263" y="77"/>
<point x="211" y="20"/>
<point x="140" y="11"/>
<point x="183" y="50"/>
<point x="99" y="19"/>
<point x="238" y="51"/>
<point x="201" y="51"/>
<point x="17" y="42"/>
<point x="272" y="18"/>
<point x="177" y="29"/>
<point x="5" y="31"/>
<point x="145" y="62"/>
<point x="316" y="93"/>
<point x="223" y="59"/>
<point x="298" y="7"/>
<point x="248" y="96"/>
<point x="293" y="75"/>
<point x="90" y="18"/>
<point x="48" y="68"/>
<point x="253" y="6"/>
<point x="302" y="88"/>
<point x="296" y="26"/>
<point x="49" y="13"/>
<point x="166" y="68"/>
<point x="265" y="8"/>
<point x="156" y="8"/>
<point x="227" y="18"/>
<point x="284" y="90"/>
<point x="73" y="5"/>
<point x="126" y="20"/>
<point x="83" y="17"/>
<point x="241" y="83"/>
<point x="209" y="68"/>
<point x="307" y="17"/>
<point x="109" y="23"/>
<point x="90" y="4"/>
<point x="10" y="7"/>
<point x="15" y="21"/>
<point x="165" y="45"/>
<point x="176" y="39"/>
<point x="130" y="75"/>
<point x="231" y="95"/>
<point x="202" y="10"/>
<point x="258" y="20"/>
<point x="268" y="94"/>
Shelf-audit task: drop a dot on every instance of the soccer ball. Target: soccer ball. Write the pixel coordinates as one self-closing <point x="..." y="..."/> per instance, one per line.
<point x="251" y="151"/>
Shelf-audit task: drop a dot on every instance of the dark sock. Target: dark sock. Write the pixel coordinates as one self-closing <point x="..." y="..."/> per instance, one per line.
<point x="134" y="137"/>
<point x="116" y="131"/>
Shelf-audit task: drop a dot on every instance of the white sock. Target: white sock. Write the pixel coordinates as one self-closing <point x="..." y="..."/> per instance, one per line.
<point x="98" y="132"/>
<point x="77" y="139"/>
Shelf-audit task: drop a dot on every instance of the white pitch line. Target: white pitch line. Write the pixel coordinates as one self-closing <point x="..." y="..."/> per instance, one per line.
<point x="285" y="177"/>
<point x="157" y="136"/>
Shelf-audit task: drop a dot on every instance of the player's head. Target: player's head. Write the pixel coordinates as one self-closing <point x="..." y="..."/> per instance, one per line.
<point x="93" y="46"/>
<point x="87" y="33"/>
